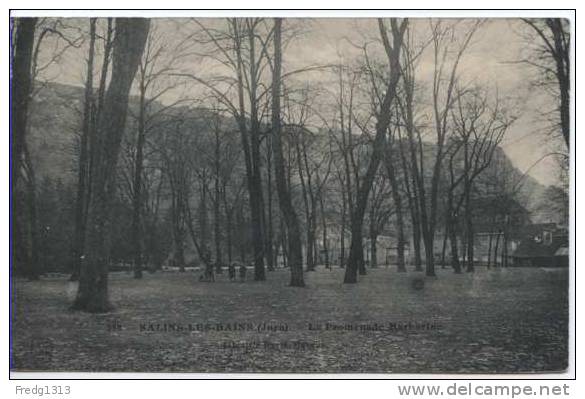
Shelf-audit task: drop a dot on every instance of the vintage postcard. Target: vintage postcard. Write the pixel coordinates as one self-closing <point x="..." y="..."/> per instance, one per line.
<point x="269" y="194"/>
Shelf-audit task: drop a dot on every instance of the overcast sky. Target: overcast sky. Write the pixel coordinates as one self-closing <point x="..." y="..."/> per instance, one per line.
<point x="488" y="62"/>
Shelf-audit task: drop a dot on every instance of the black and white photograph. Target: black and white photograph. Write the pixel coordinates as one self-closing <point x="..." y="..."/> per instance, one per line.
<point x="267" y="194"/>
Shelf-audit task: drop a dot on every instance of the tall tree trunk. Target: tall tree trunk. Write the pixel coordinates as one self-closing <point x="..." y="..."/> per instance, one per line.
<point x="444" y="249"/>
<point x="228" y="226"/>
<point x="416" y="237"/>
<point x="228" y="237"/>
<point x="178" y="230"/>
<point x="489" y="257"/>
<point x="21" y="258"/>
<point x="356" y="254"/>
<point x="427" y="226"/>
<point x="562" y="71"/>
<point x="256" y="194"/>
<point x="470" y="245"/>
<point x="217" y="227"/>
<point x="464" y="248"/>
<point x="242" y="227"/>
<point x="324" y="232"/>
<point x="310" y="248"/>
<point x="411" y="189"/>
<point x="373" y="247"/>
<point x="137" y="195"/>
<point x="83" y="171"/>
<point x="342" y="238"/>
<point x="283" y="243"/>
<point x="468" y="211"/>
<point x="305" y="189"/>
<point x="154" y="251"/>
<point x="96" y="115"/>
<point x="33" y="268"/>
<point x="179" y="257"/>
<point x="427" y="219"/>
<point x="505" y="246"/>
<point x="203" y="225"/>
<point x="356" y="251"/>
<point x="397" y="199"/>
<point x="257" y="209"/>
<point x="250" y="137"/>
<point x="21" y="86"/>
<point x="429" y="240"/>
<point x="217" y="238"/>
<point x="295" y="254"/>
<point x="269" y="222"/>
<point x="362" y="264"/>
<point x="92" y="294"/>
<point x="452" y="223"/>
<point x="416" y="229"/>
<point x="454" y="248"/>
<point x="21" y="90"/>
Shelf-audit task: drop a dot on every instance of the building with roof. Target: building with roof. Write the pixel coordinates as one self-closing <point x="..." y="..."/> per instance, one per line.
<point x="543" y="245"/>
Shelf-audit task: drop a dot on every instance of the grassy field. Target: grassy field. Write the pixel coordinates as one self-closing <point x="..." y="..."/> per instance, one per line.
<point x="502" y="320"/>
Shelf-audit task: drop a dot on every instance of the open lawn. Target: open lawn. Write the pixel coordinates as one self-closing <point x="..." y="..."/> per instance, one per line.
<point x="499" y="320"/>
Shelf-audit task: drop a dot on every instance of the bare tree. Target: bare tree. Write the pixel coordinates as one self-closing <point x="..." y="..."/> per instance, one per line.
<point x="348" y="148"/>
<point x="480" y="128"/>
<point x="30" y="59"/>
<point x="217" y="187"/>
<point x="445" y="76"/>
<point x="84" y="153"/>
<point x="21" y="89"/>
<point x="311" y="156"/>
<point x="356" y="257"/>
<point x="153" y="81"/>
<point x="175" y="150"/>
<point x="131" y="35"/>
<point x="390" y="160"/>
<point x="551" y="58"/>
<point x="21" y="83"/>
<point x="242" y="48"/>
<point x="378" y="79"/>
<point x="410" y="147"/>
<point x="294" y="252"/>
<point x="380" y="212"/>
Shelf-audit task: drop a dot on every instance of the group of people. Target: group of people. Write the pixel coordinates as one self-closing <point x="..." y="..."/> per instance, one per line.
<point x="209" y="274"/>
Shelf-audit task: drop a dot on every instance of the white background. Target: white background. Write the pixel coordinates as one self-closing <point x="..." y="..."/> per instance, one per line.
<point x="331" y="389"/>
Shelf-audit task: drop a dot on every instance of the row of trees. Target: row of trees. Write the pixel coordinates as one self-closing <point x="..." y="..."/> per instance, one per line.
<point x="271" y="158"/>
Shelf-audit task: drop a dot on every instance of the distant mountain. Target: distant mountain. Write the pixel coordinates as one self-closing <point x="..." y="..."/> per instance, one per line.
<point x="54" y="124"/>
<point x="529" y="192"/>
<point x="55" y="121"/>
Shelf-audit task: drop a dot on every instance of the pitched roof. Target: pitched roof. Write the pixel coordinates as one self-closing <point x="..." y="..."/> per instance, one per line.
<point x="533" y="244"/>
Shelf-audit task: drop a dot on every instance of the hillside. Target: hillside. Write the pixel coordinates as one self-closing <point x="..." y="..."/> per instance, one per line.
<point x="56" y="118"/>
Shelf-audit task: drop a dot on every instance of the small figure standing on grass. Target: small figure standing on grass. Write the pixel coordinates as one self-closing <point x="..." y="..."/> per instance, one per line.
<point x="243" y="271"/>
<point x="208" y="273"/>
